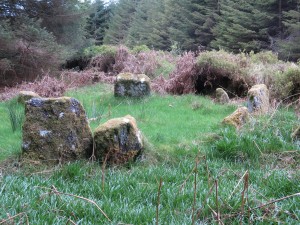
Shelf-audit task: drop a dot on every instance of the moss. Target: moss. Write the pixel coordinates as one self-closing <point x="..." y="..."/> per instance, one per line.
<point x="26" y="95"/>
<point x="238" y="117"/>
<point x="118" y="141"/>
<point x="55" y="130"/>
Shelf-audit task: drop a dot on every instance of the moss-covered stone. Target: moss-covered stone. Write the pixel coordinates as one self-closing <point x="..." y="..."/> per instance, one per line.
<point x="132" y="85"/>
<point x="26" y="95"/>
<point x="258" y="99"/>
<point x="55" y="130"/>
<point x="118" y="141"/>
<point x="238" y="117"/>
<point x="221" y="96"/>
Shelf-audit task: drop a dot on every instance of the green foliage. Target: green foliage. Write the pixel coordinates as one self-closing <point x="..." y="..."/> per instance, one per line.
<point x="287" y="83"/>
<point x="140" y="48"/>
<point x="15" y="111"/>
<point x="106" y="50"/>
<point x="265" y="57"/>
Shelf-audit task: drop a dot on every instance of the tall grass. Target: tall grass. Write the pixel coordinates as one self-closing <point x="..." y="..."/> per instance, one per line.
<point x="180" y="130"/>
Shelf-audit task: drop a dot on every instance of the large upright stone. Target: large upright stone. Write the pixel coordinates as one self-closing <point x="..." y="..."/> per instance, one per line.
<point x="132" y="85"/>
<point x="118" y="140"/>
<point x="258" y="99"/>
<point x="238" y="118"/>
<point x="55" y="130"/>
<point x="221" y="96"/>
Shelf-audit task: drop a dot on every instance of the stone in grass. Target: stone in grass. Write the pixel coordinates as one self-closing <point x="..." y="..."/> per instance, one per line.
<point x="258" y="99"/>
<point x="132" y="85"/>
<point x="118" y="141"/>
<point x="238" y="118"/>
<point x="55" y="130"/>
<point x="221" y="96"/>
<point x="26" y="95"/>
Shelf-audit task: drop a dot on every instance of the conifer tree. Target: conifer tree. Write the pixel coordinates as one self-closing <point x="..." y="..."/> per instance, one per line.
<point x="241" y="26"/>
<point x="120" y="22"/>
<point x="97" y="23"/>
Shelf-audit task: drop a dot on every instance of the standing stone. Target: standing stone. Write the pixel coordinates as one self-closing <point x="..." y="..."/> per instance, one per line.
<point x="55" y="130"/>
<point x="238" y="117"/>
<point x="221" y="96"/>
<point x="26" y="95"/>
<point x="132" y="85"/>
<point x="118" y="140"/>
<point x="258" y="99"/>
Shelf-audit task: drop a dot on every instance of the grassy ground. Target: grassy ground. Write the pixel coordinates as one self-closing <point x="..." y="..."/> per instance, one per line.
<point x="210" y="174"/>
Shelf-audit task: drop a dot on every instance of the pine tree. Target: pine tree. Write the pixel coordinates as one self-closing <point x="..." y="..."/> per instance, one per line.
<point x="97" y="23"/>
<point x="241" y="26"/>
<point x="120" y="22"/>
<point x="289" y="47"/>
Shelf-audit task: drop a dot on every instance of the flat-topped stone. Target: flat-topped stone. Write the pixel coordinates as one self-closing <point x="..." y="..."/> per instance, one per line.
<point x="132" y="85"/>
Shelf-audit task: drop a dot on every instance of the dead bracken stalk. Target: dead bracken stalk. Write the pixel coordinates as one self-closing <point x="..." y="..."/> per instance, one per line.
<point x="274" y="201"/>
<point x="158" y="201"/>
<point x="53" y="190"/>
<point x="195" y="190"/>
<point x="245" y="189"/>
<point x="13" y="217"/>
<point x="217" y="202"/>
<point x="103" y="170"/>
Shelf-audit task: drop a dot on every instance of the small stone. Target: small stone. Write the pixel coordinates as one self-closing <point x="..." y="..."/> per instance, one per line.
<point x="55" y="130"/>
<point x="258" y="99"/>
<point x="238" y="118"/>
<point x="132" y="85"/>
<point x="118" y="141"/>
<point x="26" y="95"/>
<point x="221" y="96"/>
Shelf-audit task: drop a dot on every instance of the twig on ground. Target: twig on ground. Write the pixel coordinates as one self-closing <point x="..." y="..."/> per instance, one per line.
<point x="12" y="217"/>
<point x="55" y="191"/>
<point x="195" y="190"/>
<point x="158" y="201"/>
<point x="234" y="189"/>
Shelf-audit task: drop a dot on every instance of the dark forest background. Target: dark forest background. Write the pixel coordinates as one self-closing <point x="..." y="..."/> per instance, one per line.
<point x="38" y="37"/>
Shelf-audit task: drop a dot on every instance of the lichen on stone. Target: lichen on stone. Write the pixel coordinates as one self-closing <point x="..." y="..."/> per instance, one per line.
<point x="118" y="140"/>
<point x="55" y="130"/>
<point x="132" y="85"/>
<point x="258" y="99"/>
<point x="238" y="118"/>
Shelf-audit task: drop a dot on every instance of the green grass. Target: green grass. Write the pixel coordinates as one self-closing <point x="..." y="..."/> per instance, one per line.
<point x="178" y="129"/>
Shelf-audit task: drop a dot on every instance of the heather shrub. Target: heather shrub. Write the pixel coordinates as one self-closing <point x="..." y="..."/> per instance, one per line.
<point x="265" y="57"/>
<point x="103" y="57"/>
<point x="225" y="70"/>
<point x="182" y="79"/>
<point x="287" y="83"/>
